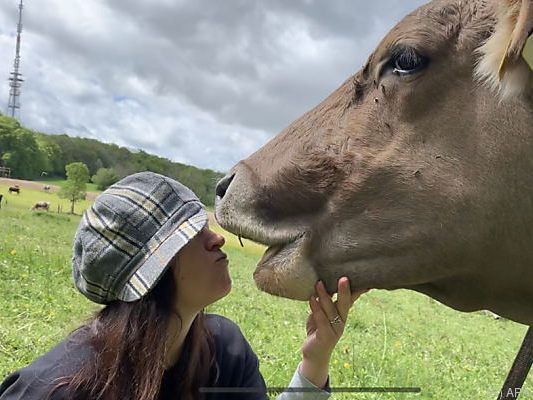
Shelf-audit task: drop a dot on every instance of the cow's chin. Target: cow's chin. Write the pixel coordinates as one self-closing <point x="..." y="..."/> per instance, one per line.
<point x="284" y="272"/>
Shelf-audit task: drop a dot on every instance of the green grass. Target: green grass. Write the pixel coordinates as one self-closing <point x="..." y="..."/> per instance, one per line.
<point x="398" y="338"/>
<point x="91" y="187"/>
<point x="29" y="197"/>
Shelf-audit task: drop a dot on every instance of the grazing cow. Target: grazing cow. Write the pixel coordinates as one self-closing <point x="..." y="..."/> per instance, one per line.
<point x="416" y="173"/>
<point x="14" y="189"/>
<point x="1" y="198"/>
<point x="46" y="188"/>
<point x="41" y="205"/>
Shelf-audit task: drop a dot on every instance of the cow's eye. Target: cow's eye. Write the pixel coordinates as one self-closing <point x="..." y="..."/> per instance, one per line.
<point x="406" y="61"/>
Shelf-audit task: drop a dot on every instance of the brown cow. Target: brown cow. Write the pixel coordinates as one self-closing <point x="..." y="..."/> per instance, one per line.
<point x="41" y="205"/>
<point x="416" y="173"/>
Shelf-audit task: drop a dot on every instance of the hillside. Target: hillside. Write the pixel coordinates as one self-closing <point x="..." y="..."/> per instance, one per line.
<point x="29" y="154"/>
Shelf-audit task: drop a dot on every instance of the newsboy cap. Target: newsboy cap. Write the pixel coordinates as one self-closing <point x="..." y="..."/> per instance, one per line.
<point x="127" y="238"/>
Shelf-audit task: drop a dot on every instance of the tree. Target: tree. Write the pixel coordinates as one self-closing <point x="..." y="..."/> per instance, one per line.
<point x="19" y="150"/>
<point x="75" y="187"/>
<point x="55" y="160"/>
<point x="104" y="178"/>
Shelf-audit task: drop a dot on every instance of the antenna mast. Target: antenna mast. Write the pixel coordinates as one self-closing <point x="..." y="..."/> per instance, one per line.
<point x="15" y="79"/>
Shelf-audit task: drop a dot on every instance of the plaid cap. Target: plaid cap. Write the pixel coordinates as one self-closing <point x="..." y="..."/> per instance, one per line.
<point x="127" y="238"/>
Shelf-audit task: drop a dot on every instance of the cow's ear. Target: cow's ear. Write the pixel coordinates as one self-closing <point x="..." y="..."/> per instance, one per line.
<point x="521" y="39"/>
<point x="505" y="58"/>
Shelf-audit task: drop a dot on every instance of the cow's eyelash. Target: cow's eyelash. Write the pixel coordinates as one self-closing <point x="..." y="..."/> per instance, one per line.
<point x="404" y="60"/>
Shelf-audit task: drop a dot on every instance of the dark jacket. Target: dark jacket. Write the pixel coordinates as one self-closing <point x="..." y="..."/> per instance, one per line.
<point x="236" y="366"/>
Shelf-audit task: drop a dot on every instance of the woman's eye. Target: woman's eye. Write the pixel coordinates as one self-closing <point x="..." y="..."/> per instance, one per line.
<point x="407" y="61"/>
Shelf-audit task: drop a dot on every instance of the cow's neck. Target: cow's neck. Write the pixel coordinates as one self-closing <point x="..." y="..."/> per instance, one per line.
<point x="506" y="291"/>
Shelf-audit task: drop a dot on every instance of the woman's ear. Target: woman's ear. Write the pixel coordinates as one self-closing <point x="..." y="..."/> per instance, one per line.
<point x="505" y="62"/>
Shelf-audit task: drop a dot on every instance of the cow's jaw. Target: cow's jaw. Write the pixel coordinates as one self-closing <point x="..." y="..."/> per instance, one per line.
<point x="283" y="271"/>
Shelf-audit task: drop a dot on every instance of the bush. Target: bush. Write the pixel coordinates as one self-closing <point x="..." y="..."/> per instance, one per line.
<point x="104" y="178"/>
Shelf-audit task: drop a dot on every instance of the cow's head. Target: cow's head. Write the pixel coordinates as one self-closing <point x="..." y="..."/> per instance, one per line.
<point x="415" y="173"/>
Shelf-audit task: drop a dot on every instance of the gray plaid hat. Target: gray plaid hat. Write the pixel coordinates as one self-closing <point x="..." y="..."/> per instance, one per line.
<point x="127" y="238"/>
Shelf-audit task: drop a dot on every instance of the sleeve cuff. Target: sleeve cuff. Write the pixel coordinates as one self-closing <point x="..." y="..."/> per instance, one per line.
<point x="300" y="381"/>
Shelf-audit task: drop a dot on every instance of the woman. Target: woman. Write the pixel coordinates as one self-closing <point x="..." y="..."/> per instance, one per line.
<point x="144" y="249"/>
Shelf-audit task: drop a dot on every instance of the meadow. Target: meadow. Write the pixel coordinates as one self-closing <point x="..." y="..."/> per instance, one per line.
<point x="392" y="339"/>
<point x="91" y="187"/>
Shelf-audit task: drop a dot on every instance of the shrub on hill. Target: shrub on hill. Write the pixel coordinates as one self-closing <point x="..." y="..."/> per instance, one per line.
<point x="104" y="178"/>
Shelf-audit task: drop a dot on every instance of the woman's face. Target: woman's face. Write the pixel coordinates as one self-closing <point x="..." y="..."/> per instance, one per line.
<point x="201" y="271"/>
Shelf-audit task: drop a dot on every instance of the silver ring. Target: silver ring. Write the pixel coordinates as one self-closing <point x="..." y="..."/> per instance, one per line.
<point x="336" y="320"/>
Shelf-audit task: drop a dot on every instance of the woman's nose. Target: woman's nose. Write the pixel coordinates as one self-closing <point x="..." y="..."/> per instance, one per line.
<point x="216" y="240"/>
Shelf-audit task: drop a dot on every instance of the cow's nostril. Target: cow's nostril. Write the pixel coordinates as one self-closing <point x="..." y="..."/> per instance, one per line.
<point x="223" y="184"/>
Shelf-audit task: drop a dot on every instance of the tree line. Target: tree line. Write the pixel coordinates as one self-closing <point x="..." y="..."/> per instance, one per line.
<point x="30" y="155"/>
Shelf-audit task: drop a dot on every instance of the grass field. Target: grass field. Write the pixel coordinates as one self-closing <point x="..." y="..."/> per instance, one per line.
<point x="91" y="187"/>
<point x="392" y="339"/>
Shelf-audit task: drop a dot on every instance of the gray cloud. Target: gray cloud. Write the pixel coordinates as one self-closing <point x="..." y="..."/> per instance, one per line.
<point x="200" y="82"/>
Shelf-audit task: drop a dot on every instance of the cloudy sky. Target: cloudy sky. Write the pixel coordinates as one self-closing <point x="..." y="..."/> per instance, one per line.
<point x="200" y="82"/>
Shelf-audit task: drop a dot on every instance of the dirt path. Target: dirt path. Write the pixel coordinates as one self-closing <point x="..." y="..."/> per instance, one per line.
<point x="39" y="186"/>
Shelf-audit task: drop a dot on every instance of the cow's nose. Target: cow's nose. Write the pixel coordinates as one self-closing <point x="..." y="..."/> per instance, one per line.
<point x="223" y="184"/>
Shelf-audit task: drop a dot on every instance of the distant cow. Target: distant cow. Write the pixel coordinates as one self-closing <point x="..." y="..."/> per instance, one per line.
<point x="1" y="198"/>
<point x="46" y="188"/>
<point x="14" y="189"/>
<point x="41" y="205"/>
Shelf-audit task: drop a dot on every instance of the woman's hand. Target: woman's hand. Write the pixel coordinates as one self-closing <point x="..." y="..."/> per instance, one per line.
<point x="325" y="327"/>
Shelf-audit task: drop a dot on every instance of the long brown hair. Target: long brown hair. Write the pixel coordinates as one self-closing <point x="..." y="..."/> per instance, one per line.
<point x="129" y="345"/>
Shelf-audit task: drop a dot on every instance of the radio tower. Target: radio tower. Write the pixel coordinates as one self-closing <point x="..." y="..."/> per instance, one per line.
<point x="15" y="79"/>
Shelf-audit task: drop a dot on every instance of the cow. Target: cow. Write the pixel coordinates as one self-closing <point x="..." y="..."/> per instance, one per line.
<point x="41" y="205"/>
<point x="1" y="198"/>
<point x="46" y="188"/>
<point x="415" y="173"/>
<point x="14" y="189"/>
